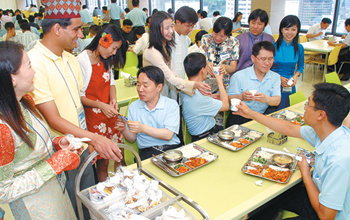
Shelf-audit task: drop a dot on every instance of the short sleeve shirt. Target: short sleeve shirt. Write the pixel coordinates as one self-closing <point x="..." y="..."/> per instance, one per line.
<point x="137" y="16"/>
<point x="347" y="39"/>
<point x="57" y="79"/>
<point x="331" y="174"/>
<point x="165" y="115"/>
<point x="246" y="79"/>
<point x="315" y="29"/>
<point x="222" y="53"/>
<point x="199" y="112"/>
<point x="115" y="11"/>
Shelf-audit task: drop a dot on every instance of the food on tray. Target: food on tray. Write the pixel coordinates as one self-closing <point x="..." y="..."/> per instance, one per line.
<point x="254" y="134"/>
<point x="276" y="174"/>
<point x="295" y="122"/>
<point x="208" y="156"/>
<point x="289" y="114"/>
<point x="172" y="156"/>
<point x="181" y="168"/>
<point x="282" y="160"/>
<point x="262" y="157"/>
<point x="256" y="165"/>
<point x="196" y="162"/>
<point x="253" y="171"/>
<point x="249" y="138"/>
<point x="244" y="141"/>
<point x="237" y="144"/>
<point x="189" y="151"/>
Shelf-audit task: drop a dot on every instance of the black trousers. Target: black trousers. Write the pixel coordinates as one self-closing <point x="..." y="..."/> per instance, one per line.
<point x="116" y="22"/>
<point x="294" y="200"/>
<point x="213" y="130"/>
<point x="146" y="153"/>
<point x="237" y="119"/>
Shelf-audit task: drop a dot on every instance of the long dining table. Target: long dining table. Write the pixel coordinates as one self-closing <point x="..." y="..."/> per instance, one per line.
<point x="221" y="188"/>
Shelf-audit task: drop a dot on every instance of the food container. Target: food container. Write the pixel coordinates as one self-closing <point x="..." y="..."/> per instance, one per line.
<point x="261" y="164"/>
<point x="282" y="160"/>
<point x="276" y="138"/>
<point x="291" y="116"/>
<point x="243" y="137"/>
<point x="131" y="81"/>
<point x="226" y="135"/>
<point x="173" y="156"/>
<point x="193" y="158"/>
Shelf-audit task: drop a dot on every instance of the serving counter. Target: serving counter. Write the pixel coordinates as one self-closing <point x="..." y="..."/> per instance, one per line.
<point x="221" y="188"/>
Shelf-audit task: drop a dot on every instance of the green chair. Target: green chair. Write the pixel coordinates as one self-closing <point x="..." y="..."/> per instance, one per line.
<point x="128" y="156"/>
<point x="287" y="214"/>
<point x="131" y="59"/>
<point x="185" y="134"/>
<point x="226" y="113"/>
<point x="333" y="78"/>
<point x="296" y="98"/>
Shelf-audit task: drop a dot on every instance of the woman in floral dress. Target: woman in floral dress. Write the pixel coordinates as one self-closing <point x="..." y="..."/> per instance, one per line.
<point x="107" y="50"/>
<point x="31" y="178"/>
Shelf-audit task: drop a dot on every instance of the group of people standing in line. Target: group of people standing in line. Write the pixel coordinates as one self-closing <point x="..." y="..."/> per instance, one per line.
<point x="77" y="95"/>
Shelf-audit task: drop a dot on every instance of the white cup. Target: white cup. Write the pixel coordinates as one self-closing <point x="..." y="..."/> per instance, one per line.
<point x="253" y="92"/>
<point x="216" y="70"/>
<point x="234" y="103"/>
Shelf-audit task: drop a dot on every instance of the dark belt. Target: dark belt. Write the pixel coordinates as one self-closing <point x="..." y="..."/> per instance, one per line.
<point x="214" y="129"/>
<point x="161" y="148"/>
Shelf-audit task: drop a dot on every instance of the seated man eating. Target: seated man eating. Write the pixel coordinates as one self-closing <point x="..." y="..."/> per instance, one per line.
<point x="199" y="110"/>
<point x="257" y="86"/>
<point x="325" y="193"/>
<point x="154" y="120"/>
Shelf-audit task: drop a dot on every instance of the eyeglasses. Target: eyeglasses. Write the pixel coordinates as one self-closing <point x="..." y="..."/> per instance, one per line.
<point x="306" y="104"/>
<point x="264" y="59"/>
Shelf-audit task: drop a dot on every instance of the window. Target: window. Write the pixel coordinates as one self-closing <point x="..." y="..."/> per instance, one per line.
<point x="161" y="5"/>
<point x="244" y="6"/>
<point x="195" y="4"/>
<point x="219" y="5"/>
<point x="343" y="14"/>
<point x="311" y="12"/>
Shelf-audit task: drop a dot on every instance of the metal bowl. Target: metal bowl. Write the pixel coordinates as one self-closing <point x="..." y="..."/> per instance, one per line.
<point x="172" y="156"/>
<point x="279" y="116"/>
<point x="226" y="135"/>
<point x="282" y="160"/>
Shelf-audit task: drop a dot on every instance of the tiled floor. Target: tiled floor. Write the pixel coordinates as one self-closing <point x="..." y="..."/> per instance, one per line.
<point x="306" y="85"/>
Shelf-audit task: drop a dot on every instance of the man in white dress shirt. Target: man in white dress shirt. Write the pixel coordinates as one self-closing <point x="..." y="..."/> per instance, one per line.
<point x="185" y="18"/>
<point x="318" y="31"/>
<point x="205" y="23"/>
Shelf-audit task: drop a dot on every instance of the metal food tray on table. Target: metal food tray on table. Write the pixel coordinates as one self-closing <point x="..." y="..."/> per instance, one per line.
<point x="289" y="114"/>
<point x="260" y="163"/>
<point x="245" y="133"/>
<point x="172" y="168"/>
<point x="99" y="210"/>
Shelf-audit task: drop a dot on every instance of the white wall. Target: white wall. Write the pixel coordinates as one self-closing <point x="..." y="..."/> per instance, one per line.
<point x="8" y="4"/>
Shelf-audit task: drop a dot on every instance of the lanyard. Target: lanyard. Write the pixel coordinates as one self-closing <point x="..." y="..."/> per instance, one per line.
<point x="65" y="82"/>
<point x="251" y="38"/>
<point x="41" y="137"/>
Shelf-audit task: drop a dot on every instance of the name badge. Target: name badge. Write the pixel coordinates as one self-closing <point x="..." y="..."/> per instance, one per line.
<point x="81" y="116"/>
<point x="225" y="56"/>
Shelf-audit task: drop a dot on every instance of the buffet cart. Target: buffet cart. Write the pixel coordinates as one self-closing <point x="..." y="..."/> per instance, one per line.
<point x="172" y="196"/>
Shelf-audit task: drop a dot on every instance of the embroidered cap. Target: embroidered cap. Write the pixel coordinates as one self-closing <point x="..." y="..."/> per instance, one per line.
<point x="56" y="9"/>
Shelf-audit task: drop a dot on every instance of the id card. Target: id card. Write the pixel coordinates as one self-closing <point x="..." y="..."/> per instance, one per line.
<point x="225" y="56"/>
<point x="287" y="89"/>
<point x="81" y="116"/>
<point x="62" y="179"/>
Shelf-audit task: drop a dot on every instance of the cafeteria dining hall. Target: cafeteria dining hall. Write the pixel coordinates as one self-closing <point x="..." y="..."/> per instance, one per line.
<point x="174" y="110"/>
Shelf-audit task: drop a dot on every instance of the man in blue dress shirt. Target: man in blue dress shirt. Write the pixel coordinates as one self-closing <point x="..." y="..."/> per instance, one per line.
<point x="115" y="13"/>
<point x="86" y="18"/>
<point x="154" y="120"/>
<point x="328" y="187"/>
<point x="258" y="77"/>
<point x="136" y="15"/>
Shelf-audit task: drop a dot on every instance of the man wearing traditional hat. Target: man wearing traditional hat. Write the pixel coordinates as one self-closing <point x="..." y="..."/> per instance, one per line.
<point x="58" y="81"/>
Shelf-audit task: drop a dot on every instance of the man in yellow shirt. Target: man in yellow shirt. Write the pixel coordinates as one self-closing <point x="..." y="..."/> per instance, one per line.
<point x="58" y="81"/>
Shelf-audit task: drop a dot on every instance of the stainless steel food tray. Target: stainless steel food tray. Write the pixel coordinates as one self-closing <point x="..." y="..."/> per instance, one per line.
<point x="269" y="163"/>
<point x="171" y="196"/>
<point x="170" y="168"/>
<point x="227" y="144"/>
<point x="299" y="116"/>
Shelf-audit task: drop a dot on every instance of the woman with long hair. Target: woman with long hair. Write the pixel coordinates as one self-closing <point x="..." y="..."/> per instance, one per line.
<point x="289" y="57"/>
<point x="237" y="22"/>
<point x="106" y="50"/>
<point x="28" y="164"/>
<point x="161" y="41"/>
